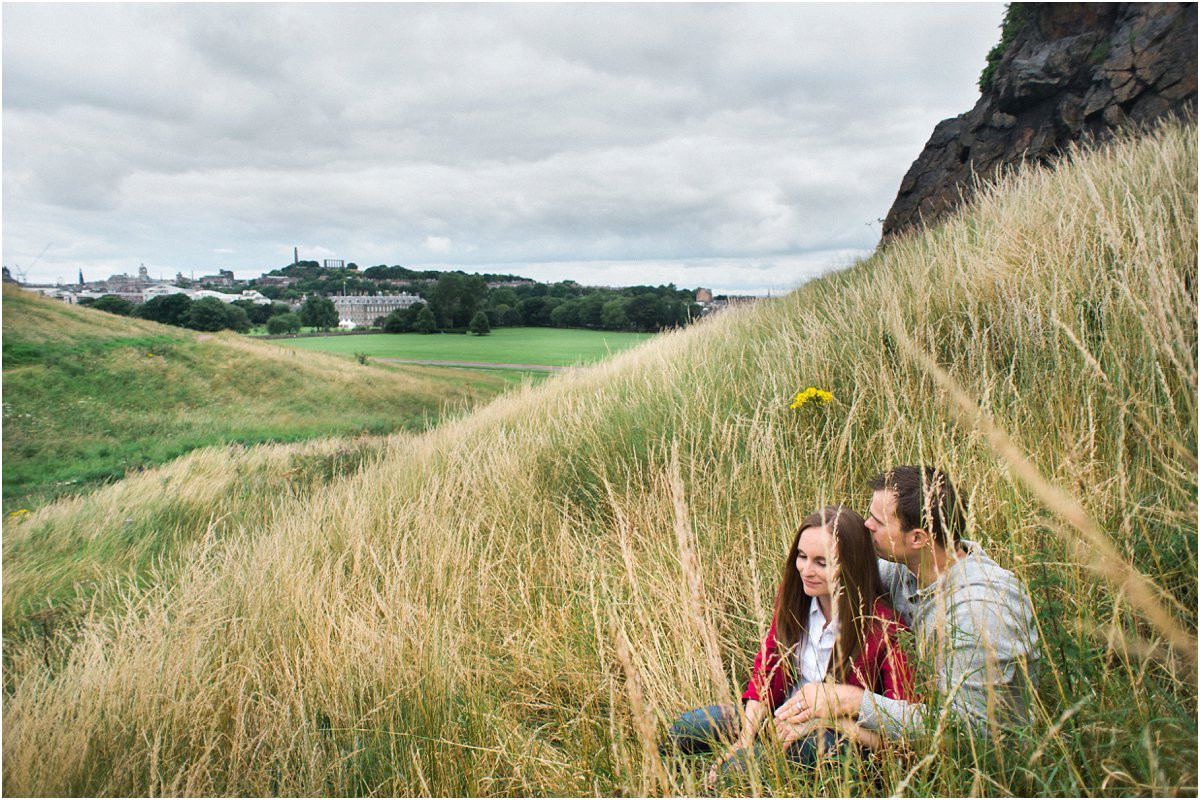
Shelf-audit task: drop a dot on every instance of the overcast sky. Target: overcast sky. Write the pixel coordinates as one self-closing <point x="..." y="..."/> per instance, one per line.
<point x="740" y="147"/>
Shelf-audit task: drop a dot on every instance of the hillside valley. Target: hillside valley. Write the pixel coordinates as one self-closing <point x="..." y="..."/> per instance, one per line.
<point x="89" y="396"/>
<point x="520" y="599"/>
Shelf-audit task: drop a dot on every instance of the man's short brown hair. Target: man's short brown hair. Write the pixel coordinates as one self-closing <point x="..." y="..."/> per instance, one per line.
<point x="925" y="499"/>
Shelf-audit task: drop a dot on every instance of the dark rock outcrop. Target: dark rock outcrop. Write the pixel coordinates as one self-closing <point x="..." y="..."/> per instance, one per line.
<point x="1072" y="71"/>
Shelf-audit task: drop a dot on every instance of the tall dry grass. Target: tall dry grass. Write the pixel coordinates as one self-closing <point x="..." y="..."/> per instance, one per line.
<point x="516" y="602"/>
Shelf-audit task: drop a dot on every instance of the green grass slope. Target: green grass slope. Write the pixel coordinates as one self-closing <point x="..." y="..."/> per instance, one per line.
<point x="89" y="396"/>
<point x="451" y="617"/>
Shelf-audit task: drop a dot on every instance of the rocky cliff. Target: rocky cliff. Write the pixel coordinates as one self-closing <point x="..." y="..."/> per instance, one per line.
<point x="1062" y="72"/>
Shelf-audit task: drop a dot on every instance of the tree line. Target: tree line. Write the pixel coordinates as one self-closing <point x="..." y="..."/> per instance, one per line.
<point x="457" y="298"/>
<point x="212" y="314"/>
<point x="454" y="297"/>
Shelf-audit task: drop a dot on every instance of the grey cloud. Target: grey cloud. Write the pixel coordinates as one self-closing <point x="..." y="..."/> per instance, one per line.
<point x="526" y="133"/>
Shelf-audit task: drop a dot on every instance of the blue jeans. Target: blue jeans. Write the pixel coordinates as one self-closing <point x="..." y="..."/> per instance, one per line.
<point x="704" y="730"/>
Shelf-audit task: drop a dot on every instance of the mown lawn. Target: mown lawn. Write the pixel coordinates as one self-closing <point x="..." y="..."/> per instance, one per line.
<point x="556" y="347"/>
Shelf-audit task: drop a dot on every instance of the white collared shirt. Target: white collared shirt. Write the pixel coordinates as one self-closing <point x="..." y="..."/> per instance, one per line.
<point x="812" y="656"/>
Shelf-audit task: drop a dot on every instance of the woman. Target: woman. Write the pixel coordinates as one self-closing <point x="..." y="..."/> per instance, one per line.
<point x="832" y="620"/>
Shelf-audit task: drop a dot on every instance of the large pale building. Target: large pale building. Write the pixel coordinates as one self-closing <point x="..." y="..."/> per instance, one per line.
<point x="365" y="309"/>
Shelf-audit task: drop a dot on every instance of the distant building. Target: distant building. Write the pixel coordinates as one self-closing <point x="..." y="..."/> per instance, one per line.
<point x="255" y="297"/>
<point x="162" y="289"/>
<point x="365" y="309"/>
<point x="124" y="285"/>
<point x="64" y="295"/>
<point x="223" y="277"/>
<point x="335" y="263"/>
<point x="133" y="295"/>
<point x="704" y="295"/>
<point x="274" y="280"/>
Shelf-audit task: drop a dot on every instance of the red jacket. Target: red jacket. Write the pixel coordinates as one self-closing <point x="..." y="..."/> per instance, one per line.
<point x="880" y="666"/>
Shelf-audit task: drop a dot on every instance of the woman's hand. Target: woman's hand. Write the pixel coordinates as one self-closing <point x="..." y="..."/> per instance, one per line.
<point x="820" y="701"/>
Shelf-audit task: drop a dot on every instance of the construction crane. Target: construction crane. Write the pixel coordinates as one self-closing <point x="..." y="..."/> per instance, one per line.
<point x="22" y="273"/>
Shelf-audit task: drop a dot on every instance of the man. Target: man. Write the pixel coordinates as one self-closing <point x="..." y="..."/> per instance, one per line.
<point x="972" y="616"/>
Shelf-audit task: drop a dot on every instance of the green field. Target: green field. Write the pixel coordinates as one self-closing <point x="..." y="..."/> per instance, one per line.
<point x="556" y="347"/>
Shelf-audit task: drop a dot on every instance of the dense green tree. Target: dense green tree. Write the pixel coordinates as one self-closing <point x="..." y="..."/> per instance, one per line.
<point x="256" y="313"/>
<point x="283" y="323"/>
<point x="565" y="289"/>
<point x="114" y="305"/>
<point x="399" y="321"/>
<point x="479" y="324"/>
<point x="503" y="315"/>
<point x="169" y="309"/>
<point x="502" y="296"/>
<point x="645" y="312"/>
<point x="319" y="312"/>
<point x="207" y="314"/>
<point x="527" y="290"/>
<point x="536" y="310"/>
<point x="456" y="298"/>
<point x="474" y="288"/>
<point x="236" y="318"/>
<point x="592" y="309"/>
<point x="613" y="316"/>
<point x="425" y="322"/>
<point x="510" y="317"/>
<point x="568" y="315"/>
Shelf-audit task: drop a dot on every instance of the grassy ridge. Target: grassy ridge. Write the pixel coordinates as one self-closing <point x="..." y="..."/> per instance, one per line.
<point x="447" y="619"/>
<point x="89" y="396"/>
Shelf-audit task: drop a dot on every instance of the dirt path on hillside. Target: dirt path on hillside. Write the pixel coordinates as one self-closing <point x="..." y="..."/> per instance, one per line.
<point x="478" y="364"/>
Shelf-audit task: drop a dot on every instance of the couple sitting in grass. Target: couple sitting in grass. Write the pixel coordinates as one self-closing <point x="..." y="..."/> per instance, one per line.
<point x="832" y="673"/>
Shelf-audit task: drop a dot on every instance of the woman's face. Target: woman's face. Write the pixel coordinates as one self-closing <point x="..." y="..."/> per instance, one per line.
<point x="812" y="560"/>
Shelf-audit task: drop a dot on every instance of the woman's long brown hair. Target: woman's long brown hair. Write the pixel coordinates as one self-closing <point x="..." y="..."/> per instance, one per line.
<point x="854" y="575"/>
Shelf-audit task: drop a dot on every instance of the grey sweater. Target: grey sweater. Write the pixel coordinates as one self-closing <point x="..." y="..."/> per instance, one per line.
<point x="976" y="622"/>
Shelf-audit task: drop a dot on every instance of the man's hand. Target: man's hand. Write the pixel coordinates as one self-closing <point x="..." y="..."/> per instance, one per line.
<point x="820" y="701"/>
<point x="787" y="733"/>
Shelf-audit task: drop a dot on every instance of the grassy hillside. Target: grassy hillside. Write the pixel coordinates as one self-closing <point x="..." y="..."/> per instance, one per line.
<point x="451" y="616"/>
<point x="89" y="396"/>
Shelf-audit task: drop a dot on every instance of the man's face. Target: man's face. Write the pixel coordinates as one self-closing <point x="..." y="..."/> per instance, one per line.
<point x="885" y="528"/>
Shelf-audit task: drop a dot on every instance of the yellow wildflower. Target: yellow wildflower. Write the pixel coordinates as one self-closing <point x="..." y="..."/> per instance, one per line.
<point x="819" y="396"/>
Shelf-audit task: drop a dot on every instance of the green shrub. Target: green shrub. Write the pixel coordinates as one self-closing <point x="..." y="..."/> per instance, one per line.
<point x="112" y="304"/>
<point x="1015" y="17"/>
